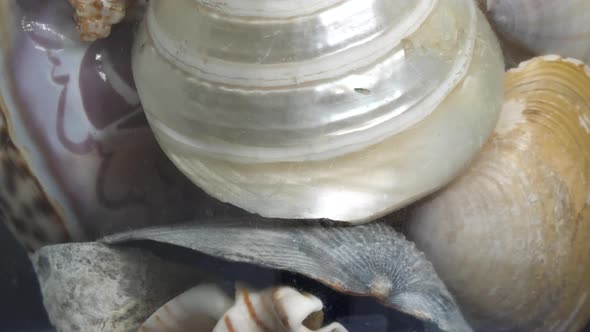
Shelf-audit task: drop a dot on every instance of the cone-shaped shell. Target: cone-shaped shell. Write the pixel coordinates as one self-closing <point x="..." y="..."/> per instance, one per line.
<point x="510" y="237"/>
<point x="319" y="109"/>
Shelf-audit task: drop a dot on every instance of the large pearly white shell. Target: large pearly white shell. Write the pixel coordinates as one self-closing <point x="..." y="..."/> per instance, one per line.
<point x="206" y="308"/>
<point x="544" y="26"/>
<point x="332" y="109"/>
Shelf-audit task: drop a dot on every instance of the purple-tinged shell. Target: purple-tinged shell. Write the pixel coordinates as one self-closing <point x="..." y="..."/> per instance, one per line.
<point x="77" y="158"/>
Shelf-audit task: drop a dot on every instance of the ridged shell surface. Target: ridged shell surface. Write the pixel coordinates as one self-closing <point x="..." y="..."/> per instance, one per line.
<point x="319" y="109"/>
<point x="510" y="237"/>
<point x="371" y="260"/>
<point x="544" y="26"/>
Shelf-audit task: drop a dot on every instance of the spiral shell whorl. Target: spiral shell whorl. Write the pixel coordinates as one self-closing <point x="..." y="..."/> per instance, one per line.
<point x="206" y="308"/>
<point x="270" y="113"/>
<point x="308" y="88"/>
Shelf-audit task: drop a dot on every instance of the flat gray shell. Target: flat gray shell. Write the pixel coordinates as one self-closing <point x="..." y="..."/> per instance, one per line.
<point x="91" y="287"/>
<point x="368" y="260"/>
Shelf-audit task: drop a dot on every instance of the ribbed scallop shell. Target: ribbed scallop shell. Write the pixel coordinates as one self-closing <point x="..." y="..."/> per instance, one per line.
<point x="371" y="260"/>
<point x="544" y="26"/>
<point x="329" y="109"/>
<point x="510" y="237"/>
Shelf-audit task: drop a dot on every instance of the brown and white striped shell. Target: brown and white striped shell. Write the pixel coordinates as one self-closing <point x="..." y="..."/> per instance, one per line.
<point x="207" y="308"/>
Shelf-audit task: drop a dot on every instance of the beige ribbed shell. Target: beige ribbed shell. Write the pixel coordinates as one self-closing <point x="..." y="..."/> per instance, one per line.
<point x="511" y="237"/>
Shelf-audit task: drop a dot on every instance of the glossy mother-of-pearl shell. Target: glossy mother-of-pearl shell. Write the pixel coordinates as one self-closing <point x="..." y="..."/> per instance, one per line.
<point x="77" y="157"/>
<point x="544" y="26"/>
<point x="510" y="236"/>
<point x="332" y="109"/>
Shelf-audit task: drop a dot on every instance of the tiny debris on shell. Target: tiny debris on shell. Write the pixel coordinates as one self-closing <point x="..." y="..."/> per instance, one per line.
<point x="94" y="18"/>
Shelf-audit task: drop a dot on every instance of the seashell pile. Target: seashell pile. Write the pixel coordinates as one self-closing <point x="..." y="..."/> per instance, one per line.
<point x="312" y="137"/>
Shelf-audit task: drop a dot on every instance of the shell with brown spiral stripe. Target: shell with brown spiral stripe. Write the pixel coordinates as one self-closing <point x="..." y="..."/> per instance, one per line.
<point x="206" y="308"/>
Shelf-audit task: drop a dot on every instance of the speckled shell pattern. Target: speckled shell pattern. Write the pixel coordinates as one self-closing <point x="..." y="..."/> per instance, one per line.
<point x="24" y="207"/>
